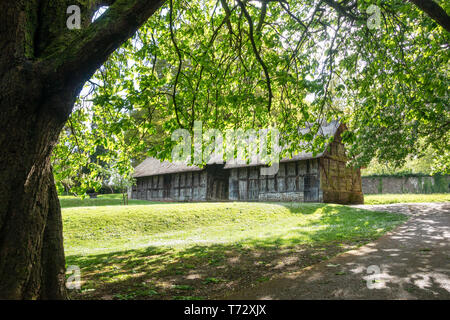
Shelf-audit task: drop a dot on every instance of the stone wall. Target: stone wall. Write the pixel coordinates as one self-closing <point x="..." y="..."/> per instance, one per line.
<point x="411" y="184"/>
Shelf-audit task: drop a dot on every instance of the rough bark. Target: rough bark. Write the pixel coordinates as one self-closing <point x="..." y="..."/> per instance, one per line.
<point x="435" y="11"/>
<point x="31" y="252"/>
<point x="430" y="7"/>
<point x="43" y="66"/>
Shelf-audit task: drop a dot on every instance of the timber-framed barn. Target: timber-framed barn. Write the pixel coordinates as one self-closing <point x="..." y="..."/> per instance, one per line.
<point x="323" y="177"/>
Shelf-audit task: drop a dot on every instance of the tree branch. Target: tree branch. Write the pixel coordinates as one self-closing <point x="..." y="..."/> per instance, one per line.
<point x="345" y="11"/>
<point x="434" y="11"/>
<point x="256" y="52"/>
<point x="76" y="55"/>
<point x="180" y="63"/>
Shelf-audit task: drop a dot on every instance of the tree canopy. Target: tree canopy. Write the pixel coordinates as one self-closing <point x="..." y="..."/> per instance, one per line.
<point x="379" y="66"/>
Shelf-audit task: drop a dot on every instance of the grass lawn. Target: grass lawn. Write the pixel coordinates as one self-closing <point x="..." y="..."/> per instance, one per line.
<point x="405" y="198"/>
<point x="101" y="200"/>
<point x="206" y="250"/>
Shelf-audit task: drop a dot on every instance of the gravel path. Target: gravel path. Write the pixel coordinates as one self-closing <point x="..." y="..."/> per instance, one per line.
<point x="411" y="262"/>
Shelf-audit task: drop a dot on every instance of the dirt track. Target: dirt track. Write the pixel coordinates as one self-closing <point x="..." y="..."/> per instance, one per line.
<point x="411" y="262"/>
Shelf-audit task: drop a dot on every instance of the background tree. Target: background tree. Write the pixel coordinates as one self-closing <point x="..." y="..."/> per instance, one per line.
<point x="427" y="164"/>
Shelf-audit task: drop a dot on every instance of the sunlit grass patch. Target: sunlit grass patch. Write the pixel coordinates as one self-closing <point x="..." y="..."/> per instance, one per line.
<point x="405" y="198"/>
<point x="101" y="200"/>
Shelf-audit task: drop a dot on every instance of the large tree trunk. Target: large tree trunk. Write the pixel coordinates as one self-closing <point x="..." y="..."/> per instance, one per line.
<point x="32" y="264"/>
<point x="43" y="65"/>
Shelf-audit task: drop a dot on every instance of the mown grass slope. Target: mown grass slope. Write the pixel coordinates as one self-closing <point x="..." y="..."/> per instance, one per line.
<point x="203" y="250"/>
<point x="101" y="200"/>
<point x="112" y="228"/>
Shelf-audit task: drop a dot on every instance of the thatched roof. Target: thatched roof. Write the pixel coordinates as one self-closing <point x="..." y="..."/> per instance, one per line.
<point x="327" y="130"/>
<point x="152" y="166"/>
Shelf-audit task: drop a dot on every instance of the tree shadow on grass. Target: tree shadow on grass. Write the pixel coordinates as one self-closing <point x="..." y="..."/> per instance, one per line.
<point x="211" y="271"/>
<point x="412" y="262"/>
